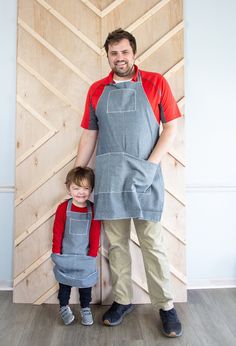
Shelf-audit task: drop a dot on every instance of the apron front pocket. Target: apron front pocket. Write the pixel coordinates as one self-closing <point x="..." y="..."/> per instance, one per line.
<point x="70" y="269"/>
<point x="130" y="174"/>
<point x="153" y="201"/>
<point x="143" y="174"/>
<point x="101" y="169"/>
<point x="120" y="172"/>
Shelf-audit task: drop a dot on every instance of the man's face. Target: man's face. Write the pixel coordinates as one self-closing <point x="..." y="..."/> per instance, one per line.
<point x="121" y="59"/>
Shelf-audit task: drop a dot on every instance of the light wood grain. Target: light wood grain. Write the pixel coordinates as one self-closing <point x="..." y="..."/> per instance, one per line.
<point x="60" y="53"/>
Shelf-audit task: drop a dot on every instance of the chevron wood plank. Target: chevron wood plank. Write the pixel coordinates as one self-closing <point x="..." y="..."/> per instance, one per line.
<point x="60" y="53"/>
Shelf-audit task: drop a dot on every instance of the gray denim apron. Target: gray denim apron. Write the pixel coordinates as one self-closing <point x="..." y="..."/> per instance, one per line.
<point x="127" y="185"/>
<point x="73" y="267"/>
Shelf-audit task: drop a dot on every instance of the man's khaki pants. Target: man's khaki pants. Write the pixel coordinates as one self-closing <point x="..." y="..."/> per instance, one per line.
<point x="155" y="261"/>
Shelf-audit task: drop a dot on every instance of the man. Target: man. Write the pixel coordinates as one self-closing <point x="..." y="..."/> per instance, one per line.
<point x="122" y="114"/>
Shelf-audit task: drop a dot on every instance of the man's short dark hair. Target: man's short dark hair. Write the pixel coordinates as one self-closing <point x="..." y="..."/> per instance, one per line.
<point x="118" y="35"/>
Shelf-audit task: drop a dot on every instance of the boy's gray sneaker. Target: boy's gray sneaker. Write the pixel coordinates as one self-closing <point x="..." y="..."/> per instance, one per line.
<point x="87" y="317"/>
<point x="67" y="314"/>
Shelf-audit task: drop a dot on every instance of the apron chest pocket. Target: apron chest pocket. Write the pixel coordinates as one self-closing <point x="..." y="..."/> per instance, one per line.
<point x="78" y="227"/>
<point x="122" y="100"/>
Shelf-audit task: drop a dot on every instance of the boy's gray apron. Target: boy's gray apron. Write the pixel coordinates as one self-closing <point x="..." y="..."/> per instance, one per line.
<point x="126" y="184"/>
<point x="73" y="267"/>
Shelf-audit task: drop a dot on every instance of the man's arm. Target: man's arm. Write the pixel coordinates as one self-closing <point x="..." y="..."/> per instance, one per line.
<point x="86" y="147"/>
<point x="165" y="141"/>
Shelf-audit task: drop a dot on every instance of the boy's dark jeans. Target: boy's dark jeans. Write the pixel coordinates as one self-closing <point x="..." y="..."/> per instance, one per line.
<point x="85" y="295"/>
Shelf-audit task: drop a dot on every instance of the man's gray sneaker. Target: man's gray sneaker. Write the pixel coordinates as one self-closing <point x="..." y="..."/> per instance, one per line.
<point x="87" y="317"/>
<point x="66" y="315"/>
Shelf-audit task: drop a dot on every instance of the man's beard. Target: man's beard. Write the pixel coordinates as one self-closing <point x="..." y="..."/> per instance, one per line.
<point x="126" y="73"/>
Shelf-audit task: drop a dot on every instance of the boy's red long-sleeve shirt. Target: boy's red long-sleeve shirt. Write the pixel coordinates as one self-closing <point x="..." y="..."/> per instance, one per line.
<point x="59" y="227"/>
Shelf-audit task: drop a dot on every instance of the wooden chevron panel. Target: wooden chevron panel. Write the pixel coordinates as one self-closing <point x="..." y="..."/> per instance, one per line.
<point x="60" y="53"/>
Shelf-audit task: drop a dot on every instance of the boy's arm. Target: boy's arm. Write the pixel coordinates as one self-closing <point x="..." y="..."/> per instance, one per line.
<point x="58" y="228"/>
<point x="86" y="147"/>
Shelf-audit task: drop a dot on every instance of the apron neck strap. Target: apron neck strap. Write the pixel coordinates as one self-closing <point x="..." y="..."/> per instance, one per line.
<point x="139" y="79"/>
<point x="69" y="205"/>
<point x="88" y="205"/>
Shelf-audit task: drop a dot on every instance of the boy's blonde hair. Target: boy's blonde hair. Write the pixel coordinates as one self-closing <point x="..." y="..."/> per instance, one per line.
<point x="78" y="174"/>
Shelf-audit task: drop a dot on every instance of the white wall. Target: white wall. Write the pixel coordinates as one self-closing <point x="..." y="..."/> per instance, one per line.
<point x="210" y="54"/>
<point x="7" y="136"/>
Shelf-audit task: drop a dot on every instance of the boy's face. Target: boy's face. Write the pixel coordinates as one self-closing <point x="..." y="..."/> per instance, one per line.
<point x="80" y="193"/>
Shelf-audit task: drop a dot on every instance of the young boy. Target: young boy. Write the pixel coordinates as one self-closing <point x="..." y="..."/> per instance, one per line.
<point x="75" y="244"/>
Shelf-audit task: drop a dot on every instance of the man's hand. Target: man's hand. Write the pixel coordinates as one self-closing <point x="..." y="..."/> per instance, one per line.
<point x="165" y="141"/>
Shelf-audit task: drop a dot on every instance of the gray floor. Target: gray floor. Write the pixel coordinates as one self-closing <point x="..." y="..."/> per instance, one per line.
<point x="209" y="318"/>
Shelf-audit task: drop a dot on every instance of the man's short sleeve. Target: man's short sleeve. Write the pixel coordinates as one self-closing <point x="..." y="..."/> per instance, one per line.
<point x="89" y="120"/>
<point x="168" y="107"/>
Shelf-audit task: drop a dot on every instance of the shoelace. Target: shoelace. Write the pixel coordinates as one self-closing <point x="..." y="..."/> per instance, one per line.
<point x="119" y="308"/>
<point x="169" y="316"/>
<point x="114" y="306"/>
<point x="87" y="313"/>
<point x="65" y="312"/>
<point x="86" y="316"/>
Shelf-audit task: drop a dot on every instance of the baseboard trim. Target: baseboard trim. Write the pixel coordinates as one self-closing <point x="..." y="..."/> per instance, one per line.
<point x="211" y="284"/>
<point x="192" y="285"/>
<point x="6" y="285"/>
<point x="7" y="189"/>
<point x="210" y="188"/>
